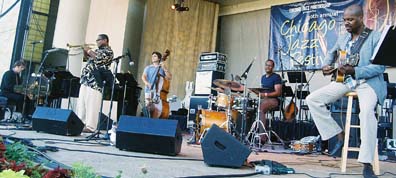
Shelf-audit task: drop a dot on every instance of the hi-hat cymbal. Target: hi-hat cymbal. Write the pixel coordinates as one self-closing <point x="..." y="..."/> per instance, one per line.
<point x="228" y="84"/>
<point x="258" y="90"/>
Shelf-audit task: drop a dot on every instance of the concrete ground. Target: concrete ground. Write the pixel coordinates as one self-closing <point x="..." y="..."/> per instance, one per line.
<point x="109" y="160"/>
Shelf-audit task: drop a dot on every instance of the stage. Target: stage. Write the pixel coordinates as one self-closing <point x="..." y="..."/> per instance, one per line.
<point x="108" y="160"/>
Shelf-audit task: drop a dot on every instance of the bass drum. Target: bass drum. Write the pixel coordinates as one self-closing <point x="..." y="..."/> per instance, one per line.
<point x="208" y="117"/>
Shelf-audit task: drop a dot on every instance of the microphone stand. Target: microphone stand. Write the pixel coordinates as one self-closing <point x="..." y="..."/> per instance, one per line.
<point x="95" y="136"/>
<point x="27" y="81"/>
<point x="302" y="67"/>
<point x="40" y="71"/>
<point x="282" y="101"/>
<point x="123" y="97"/>
<point x="244" y="103"/>
<point x="116" y="60"/>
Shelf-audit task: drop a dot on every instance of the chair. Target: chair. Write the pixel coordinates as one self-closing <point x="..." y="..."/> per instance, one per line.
<point x="346" y="147"/>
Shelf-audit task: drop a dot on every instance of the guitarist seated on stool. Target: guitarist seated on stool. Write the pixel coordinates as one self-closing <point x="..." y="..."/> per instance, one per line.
<point x="152" y="99"/>
<point x="272" y="82"/>
<point x="10" y="79"/>
<point x="364" y="78"/>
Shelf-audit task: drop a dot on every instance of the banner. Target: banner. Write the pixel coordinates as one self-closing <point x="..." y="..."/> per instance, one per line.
<point x="302" y="33"/>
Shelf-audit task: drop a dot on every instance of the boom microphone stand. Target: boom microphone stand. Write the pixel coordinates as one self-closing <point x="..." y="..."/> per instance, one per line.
<point x="95" y="136"/>
<point x="28" y="78"/>
<point x="244" y="102"/>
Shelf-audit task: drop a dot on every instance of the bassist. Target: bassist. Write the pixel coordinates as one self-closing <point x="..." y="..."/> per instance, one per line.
<point x="154" y="77"/>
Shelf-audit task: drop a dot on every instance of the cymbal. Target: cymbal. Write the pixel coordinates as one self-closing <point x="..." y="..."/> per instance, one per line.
<point x="259" y="90"/>
<point x="228" y="84"/>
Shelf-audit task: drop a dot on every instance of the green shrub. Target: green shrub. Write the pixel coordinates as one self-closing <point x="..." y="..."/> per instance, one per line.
<point x="83" y="171"/>
<point x="12" y="174"/>
<point x="19" y="153"/>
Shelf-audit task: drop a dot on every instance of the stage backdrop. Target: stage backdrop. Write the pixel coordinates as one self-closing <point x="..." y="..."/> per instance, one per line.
<point x="301" y="33"/>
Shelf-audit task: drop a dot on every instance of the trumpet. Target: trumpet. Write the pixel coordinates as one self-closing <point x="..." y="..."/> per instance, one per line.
<point x="91" y="45"/>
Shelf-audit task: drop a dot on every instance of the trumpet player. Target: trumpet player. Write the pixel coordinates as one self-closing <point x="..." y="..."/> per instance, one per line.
<point x="92" y="77"/>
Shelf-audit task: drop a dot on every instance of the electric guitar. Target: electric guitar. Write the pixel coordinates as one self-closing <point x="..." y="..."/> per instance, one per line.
<point x="342" y="59"/>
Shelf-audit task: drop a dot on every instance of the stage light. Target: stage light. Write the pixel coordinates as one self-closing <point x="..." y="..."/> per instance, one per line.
<point x="179" y="6"/>
<point x="175" y="6"/>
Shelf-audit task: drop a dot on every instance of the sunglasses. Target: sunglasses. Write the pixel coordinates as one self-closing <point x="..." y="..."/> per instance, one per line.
<point x="99" y="39"/>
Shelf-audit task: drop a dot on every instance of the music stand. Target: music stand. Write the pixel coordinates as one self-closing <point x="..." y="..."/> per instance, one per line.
<point x="297" y="77"/>
<point x="287" y="91"/>
<point x="383" y="54"/>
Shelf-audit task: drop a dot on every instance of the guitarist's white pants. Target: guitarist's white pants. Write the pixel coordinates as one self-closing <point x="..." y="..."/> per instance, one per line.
<point x="328" y="128"/>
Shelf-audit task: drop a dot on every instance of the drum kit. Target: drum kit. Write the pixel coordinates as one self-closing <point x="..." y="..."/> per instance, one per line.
<point x="232" y="106"/>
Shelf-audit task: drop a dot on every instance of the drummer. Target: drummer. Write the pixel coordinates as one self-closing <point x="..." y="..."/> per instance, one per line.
<point x="273" y="83"/>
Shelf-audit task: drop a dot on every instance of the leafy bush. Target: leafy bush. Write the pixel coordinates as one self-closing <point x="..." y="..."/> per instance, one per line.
<point x="19" y="153"/>
<point x="12" y="174"/>
<point x="83" y="171"/>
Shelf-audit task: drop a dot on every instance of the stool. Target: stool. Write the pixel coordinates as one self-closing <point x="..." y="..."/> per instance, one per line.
<point x="272" y="111"/>
<point x="346" y="147"/>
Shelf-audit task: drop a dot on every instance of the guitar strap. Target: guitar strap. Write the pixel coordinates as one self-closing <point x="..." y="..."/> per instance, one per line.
<point x="355" y="49"/>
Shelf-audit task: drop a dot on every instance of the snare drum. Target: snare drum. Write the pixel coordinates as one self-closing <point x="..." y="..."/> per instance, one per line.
<point x="302" y="147"/>
<point x="223" y="100"/>
<point x="251" y="103"/>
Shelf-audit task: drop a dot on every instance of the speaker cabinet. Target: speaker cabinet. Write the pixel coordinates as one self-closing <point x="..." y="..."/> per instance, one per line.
<point x="196" y="101"/>
<point x="219" y="148"/>
<point x="204" y="80"/>
<point x="56" y="121"/>
<point x="148" y="135"/>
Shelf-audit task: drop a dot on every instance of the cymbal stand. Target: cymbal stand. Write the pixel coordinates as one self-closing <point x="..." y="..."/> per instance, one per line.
<point x="230" y="125"/>
<point x="244" y="112"/>
<point x="254" y="132"/>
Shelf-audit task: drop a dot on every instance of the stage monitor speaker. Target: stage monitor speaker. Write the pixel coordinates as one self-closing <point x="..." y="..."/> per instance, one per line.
<point x="148" y="135"/>
<point x="56" y="121"/>
<point x="219" y="148"/>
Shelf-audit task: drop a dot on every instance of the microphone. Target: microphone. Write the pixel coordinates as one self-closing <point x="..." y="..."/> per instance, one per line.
<point x="128" y="54"/>
<point x="238" y="78"/>
<point x="36" y="42"/>
<point x="52" y="50"/>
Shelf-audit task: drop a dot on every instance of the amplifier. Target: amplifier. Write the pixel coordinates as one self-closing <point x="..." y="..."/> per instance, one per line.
<point x="204" y="80"/>
<point x="197" y="103"/>
<point x="221" y="58"/>
<point x="211" y="66"/>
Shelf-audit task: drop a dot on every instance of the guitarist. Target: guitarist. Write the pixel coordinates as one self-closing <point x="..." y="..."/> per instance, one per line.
<point x="364" y="78"/>
<point x="273" y="83"/>
<point x="92" y="76"/>
<point x="148" y="77"/>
